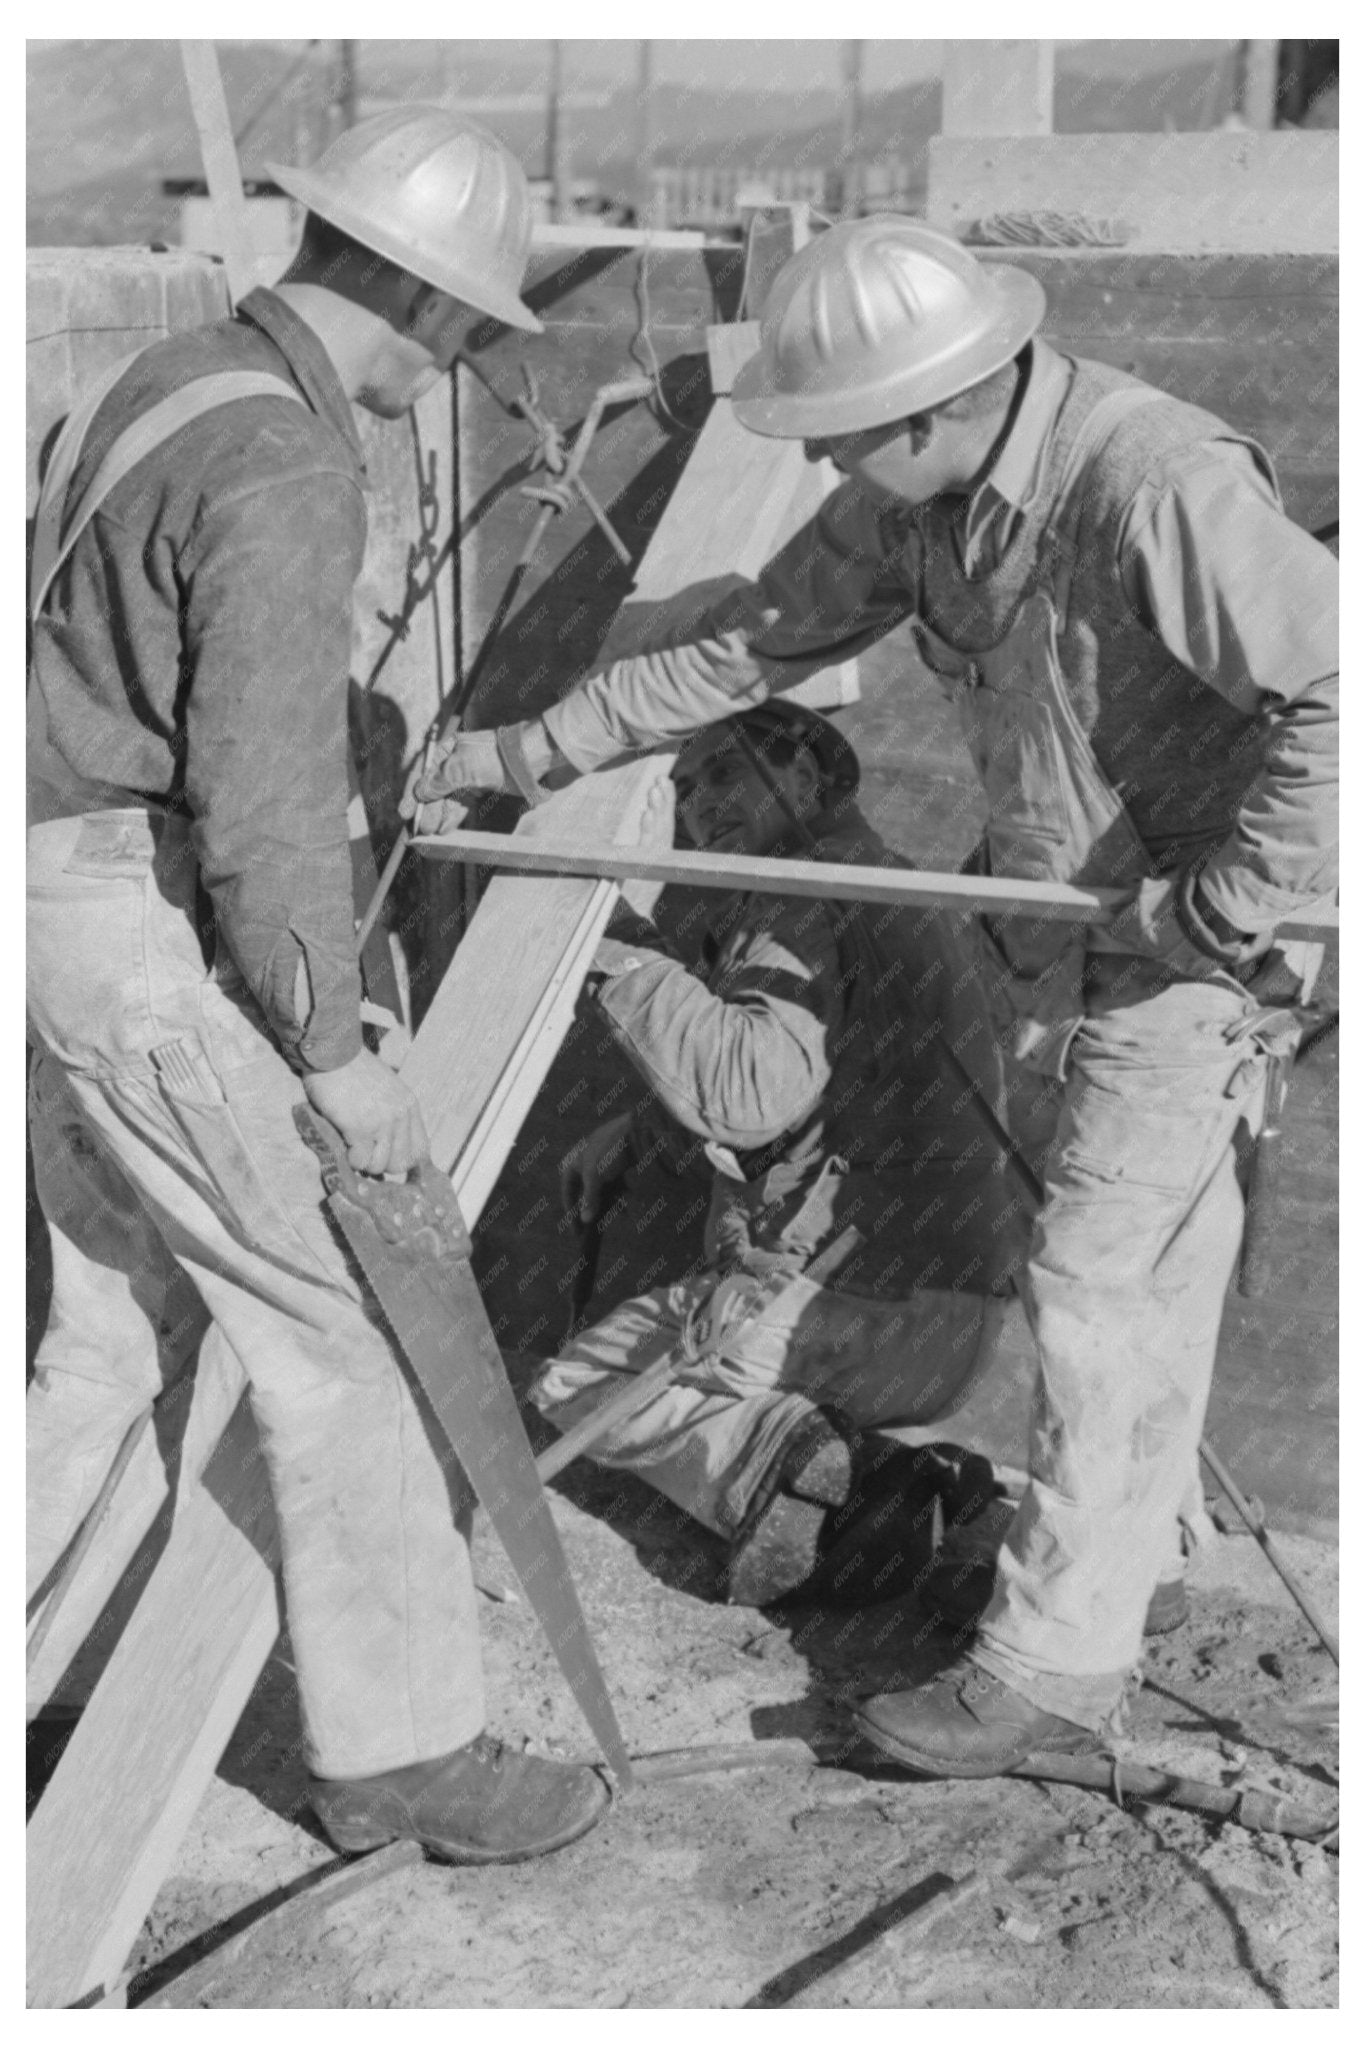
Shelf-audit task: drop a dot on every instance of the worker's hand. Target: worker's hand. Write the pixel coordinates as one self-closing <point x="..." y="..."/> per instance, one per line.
<point x="655" y="835"/>
<point x="1148" y="924"/>
<point x="375" y="1112"/>
<point x="594" y="1163"/>
<point x="469" y="762"/>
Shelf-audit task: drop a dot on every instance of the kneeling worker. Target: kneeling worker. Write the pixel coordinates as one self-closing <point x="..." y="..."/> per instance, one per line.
<point x="837" y="1061"/>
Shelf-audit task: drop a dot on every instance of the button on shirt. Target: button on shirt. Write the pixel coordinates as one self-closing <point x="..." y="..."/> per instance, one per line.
<point x="195" y="654"/>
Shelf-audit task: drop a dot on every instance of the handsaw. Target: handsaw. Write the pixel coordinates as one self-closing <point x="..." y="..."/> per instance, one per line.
<point x="410" y="1242"/>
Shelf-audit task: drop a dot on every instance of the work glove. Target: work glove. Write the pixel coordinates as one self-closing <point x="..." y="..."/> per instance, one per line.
<point x="464" y="766"/>
<point x="595" y="1162"/>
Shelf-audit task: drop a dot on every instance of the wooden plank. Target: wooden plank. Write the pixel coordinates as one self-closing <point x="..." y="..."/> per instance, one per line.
<point x="738" y="499"/>
<point x="1182" y="295"/>
<point x="222" y="172"/>
<point x="135" y="1769"/>
<point x="822" y="880"/>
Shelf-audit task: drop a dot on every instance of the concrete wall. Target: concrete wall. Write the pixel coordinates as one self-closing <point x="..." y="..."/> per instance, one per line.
<point x="1229" y="190"/>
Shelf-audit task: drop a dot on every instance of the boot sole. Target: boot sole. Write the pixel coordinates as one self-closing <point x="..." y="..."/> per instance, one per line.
<point x="930" y="1766"/>
<point x="360" y="1841"/>
<point x="779" y="1554"/>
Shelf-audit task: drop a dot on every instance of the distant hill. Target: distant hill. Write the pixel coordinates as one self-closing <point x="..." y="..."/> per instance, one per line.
<point x="107" y="121"/>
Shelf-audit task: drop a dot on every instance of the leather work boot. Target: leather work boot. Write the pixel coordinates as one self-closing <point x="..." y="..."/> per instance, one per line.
<point x="965" y="1724"/>
<point x="957" y="1591"/>
<point x="780" y="1546"/>
<point x="484" y="1803"/>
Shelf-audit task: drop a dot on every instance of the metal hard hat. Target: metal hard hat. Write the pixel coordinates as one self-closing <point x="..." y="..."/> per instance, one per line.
<point x="835" y="758"/>
<point x="874" y="320"/>
<point x="437" y="195"/>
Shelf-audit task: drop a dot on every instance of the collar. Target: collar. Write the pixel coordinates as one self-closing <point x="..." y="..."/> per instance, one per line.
<point x="312" y="368"/>
<point x="1002" y="498"/>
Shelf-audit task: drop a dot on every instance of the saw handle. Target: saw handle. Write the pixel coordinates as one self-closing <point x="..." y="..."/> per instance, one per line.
<point x="338" y="1174"/>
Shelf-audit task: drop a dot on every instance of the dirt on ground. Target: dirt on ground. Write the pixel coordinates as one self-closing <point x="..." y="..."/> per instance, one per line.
<point x="802" y="1884"/>
<point x="808" y="1884"/>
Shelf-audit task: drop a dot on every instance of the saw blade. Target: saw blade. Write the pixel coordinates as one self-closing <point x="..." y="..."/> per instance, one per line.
<point x="410" y="1242"/>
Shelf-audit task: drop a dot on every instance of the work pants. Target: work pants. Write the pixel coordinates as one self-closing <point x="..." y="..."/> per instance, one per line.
<point x="752" y="1354"/>
<point x="167" y="1160"/>
<point x="1130" y="1261"/>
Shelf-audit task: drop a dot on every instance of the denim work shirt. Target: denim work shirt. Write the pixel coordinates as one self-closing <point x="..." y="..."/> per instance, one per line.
<point x="816" y="1031"/>
<point x="1222" y="584"/>
<point x="195" y="653"/>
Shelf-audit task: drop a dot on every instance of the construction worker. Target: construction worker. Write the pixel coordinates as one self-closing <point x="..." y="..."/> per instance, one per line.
<point x="839" y="1066"/>
<point x="1144" y="650"/>
<point x="193" y="973"/>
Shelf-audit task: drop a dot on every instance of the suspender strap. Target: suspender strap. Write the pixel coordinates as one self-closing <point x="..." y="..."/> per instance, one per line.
<point x="54" y="538"/>
<point x="1093" y="436"/>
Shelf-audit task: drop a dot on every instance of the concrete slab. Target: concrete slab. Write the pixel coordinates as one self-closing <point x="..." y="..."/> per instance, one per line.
<point x="1227" y="190"/>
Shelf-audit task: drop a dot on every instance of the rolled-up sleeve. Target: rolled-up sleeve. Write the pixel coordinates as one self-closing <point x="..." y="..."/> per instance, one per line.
<point x="746" y="1061"/>
<point x="268" y="585"/>
<point x="820" y="598"/>
<point x="1248" y="601"/>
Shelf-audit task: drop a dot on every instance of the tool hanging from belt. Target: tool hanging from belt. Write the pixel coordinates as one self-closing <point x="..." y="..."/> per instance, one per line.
<point x="1258" y="1271"/>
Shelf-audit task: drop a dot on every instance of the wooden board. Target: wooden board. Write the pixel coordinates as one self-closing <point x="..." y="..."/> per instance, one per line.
<point x="821" y="880"/>
<point x="109" y="1824"/>
<point x="1254" y="338"/>
<point x="739" y="498"/>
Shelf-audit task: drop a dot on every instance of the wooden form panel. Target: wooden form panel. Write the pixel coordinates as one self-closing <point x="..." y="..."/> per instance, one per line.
<point x="739" y="498"/>
<point x="1252" y="338"/>
<point x="107" y="1827"/>
<point x="604" y="310"/>
<point x="88" y="307"/>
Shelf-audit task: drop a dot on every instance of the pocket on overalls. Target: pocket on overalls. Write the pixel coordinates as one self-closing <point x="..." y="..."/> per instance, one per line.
<point x="1022" y="772"/>
<point x="1141" y="1122"/>
<point x="197" y="1102"/>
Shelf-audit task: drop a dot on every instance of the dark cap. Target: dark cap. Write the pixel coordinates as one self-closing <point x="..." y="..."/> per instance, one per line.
<point x="835" y="758"/>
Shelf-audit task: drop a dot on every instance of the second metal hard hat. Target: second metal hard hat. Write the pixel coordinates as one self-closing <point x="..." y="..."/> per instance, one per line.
<point x="874" y="320"/>
<point x="437" y="195"/>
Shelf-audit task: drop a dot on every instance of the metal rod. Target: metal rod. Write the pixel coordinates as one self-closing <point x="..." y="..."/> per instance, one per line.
<point x="1257" y="1525"/>
<point x="1096" y="1773"/>
<point x="604" y="1419"/>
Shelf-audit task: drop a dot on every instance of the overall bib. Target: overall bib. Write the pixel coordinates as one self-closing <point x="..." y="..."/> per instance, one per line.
<point x="182" y="1204"/>
<point x="1128" y="1077"/>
